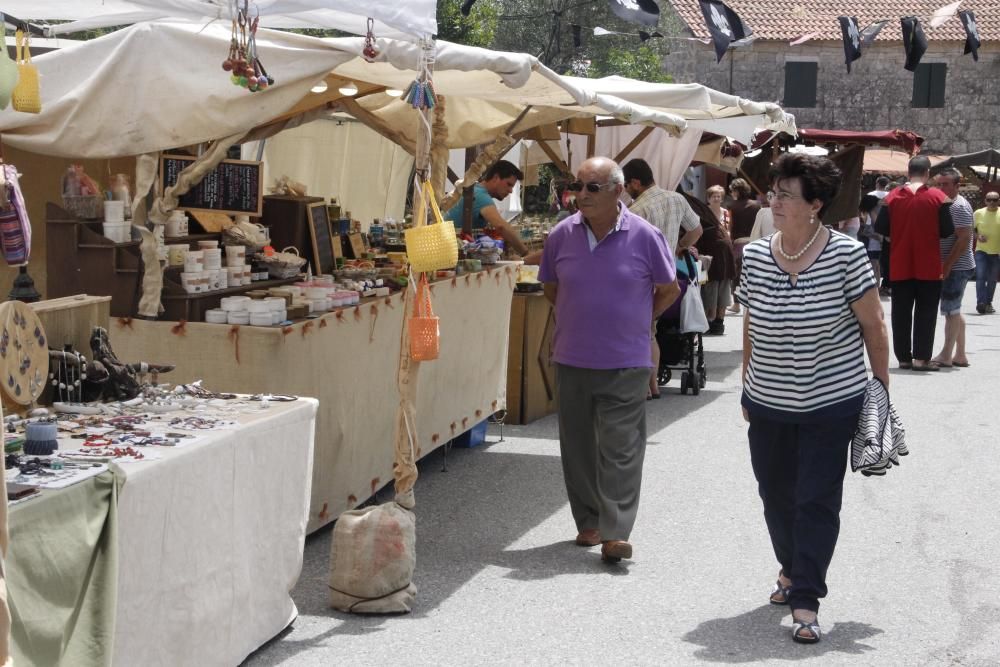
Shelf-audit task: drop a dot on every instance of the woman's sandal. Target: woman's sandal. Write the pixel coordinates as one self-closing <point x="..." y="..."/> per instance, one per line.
<point x="780" y="593"/>
<point x="799" y="628"/>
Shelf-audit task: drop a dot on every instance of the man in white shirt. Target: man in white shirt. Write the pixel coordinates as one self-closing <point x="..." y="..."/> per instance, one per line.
<point x="669" y="212"/>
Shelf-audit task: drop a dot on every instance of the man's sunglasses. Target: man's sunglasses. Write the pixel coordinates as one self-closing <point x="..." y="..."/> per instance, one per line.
<point x="576" y="186"/>
<point x="990" y="200"/>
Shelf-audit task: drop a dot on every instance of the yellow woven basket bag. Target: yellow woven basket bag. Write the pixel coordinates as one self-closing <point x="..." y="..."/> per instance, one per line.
<point x="27" y="93"/>
<point x="431" y="247"/>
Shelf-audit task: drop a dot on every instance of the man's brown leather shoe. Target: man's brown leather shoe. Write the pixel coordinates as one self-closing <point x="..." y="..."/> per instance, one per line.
<point x="614" y="550"/>
<point x="588" y="538"/>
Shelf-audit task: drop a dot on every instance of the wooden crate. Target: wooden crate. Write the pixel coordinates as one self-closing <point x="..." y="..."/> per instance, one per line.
<point x="70" y="319"/>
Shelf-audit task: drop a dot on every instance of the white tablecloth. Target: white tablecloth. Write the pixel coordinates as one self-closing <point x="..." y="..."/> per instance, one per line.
<point x="210" y="541"/>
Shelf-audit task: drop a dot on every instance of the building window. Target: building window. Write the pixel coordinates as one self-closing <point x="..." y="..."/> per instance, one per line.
<point x="800" y="84"/>
<point x="928" y="85"/>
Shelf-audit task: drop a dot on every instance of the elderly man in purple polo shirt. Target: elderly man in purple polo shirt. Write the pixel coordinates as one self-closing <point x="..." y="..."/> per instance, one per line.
<point x="608" y="272"/>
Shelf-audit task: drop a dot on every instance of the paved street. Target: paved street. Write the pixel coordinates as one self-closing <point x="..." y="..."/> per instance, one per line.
<point x="914" y="580"/>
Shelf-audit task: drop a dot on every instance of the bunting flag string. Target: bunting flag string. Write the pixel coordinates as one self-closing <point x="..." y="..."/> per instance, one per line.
<point x="852" y="39"/>
<point x="914" y="41"/>
<point x="724" y="25"/>
<point x="972" y="43"/>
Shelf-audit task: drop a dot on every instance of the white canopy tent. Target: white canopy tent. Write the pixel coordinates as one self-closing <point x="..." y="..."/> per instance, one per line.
<point x="393" y="19"/>
<point x="156" y="107"/>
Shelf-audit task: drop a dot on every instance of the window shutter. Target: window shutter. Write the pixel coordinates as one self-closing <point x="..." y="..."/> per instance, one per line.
<point x="921" y="86"/>
<point x="800" y="84"/>
<point x="938" y="73"/>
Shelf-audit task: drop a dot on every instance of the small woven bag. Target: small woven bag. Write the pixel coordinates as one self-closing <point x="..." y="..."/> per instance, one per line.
<point x="425" y="334"/>
<point x="27" y="96"/>
<point x="431" y="247"/>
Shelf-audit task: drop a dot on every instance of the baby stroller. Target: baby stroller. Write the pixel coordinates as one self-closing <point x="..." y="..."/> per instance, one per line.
<point x="681" y="351"/>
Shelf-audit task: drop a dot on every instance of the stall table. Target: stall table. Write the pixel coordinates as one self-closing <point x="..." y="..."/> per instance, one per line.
<point x="348" y="359"/>
<point x="194" y="563"/>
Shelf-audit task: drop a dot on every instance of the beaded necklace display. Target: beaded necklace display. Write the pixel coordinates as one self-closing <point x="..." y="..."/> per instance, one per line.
<point x="792" y="258"/>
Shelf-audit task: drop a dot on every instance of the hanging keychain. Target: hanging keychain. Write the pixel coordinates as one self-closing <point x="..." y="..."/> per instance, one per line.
<point x="370" y="52"/>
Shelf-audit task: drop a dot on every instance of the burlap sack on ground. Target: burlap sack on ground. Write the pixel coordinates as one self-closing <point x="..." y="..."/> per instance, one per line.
<point x="372" y="558"/>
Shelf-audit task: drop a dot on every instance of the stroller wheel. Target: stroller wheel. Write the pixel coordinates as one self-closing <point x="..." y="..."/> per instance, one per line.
<point x="684" y="382"/>
<point x="664" y="376"/>
<point x="702" y="379"/>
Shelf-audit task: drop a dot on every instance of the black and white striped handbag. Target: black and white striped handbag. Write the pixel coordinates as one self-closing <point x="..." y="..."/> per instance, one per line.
<point x="880" y="439"/>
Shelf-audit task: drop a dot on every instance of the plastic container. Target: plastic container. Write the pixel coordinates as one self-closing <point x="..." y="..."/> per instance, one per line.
<point x="208" y="245"/>
<point x="119" y="232"/>
<point x="474" y="437"/>
<point x="176" y="253"/>
<point x="236" y="255"/>
<point x="235" y="303"/>
<point x="238" y="317"/>
<point x="194" y="261"/>
<point x="259" y="306"/>
<point x="114" y="211"/>
<point x="177" y="224"/>
<point x="213" y="259"/>
<point x="216" y="316"/>
<point x="264" y="319"/>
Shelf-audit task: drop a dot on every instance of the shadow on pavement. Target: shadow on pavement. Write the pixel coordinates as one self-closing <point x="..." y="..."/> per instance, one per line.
<point x="758" y="635"/>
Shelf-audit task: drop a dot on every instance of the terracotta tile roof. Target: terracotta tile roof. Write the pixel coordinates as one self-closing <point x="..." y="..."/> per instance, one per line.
<point x="788" y="19"/>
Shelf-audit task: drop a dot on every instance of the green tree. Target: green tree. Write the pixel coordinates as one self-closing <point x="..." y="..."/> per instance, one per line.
<point x="477" y="29"/>
<point x="544" y="28"/>
<point x="643" y="63"/>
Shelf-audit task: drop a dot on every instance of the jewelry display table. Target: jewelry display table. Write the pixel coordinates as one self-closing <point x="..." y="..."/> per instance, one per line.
<point x="193" y="566"/>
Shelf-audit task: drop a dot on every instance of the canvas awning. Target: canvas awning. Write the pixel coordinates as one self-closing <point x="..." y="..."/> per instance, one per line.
<point x="894" y="162"/>
<point x="987" y="158"/>
<point x="122" y="76"/>
<point x="394" y="19"/>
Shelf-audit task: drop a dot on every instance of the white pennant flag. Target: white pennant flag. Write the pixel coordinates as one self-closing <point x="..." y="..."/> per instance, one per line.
<point x="943" y="14"/>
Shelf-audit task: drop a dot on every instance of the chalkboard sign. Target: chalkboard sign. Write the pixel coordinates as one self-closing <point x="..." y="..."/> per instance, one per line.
<point x="233" y="187"/>
<point x="322" y="243"/>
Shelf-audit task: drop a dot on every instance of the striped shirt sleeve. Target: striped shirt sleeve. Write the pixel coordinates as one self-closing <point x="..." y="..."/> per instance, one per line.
<point x="858" y="274"/>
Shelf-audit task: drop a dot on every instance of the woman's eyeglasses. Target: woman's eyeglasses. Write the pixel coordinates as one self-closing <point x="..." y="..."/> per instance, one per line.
<point x="783" y="197"/>
<point x="576" y="186"/>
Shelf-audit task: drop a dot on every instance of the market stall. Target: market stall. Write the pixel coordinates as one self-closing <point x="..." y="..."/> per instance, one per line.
<point x="485" y="94"/>
<point x="347" y="358"/>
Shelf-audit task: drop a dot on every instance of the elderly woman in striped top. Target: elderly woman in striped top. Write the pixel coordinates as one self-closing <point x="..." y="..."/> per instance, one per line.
<point x="813" y="310"/>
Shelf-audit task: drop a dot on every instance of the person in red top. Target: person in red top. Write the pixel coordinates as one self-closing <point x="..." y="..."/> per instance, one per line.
<point x="915" y="217"/>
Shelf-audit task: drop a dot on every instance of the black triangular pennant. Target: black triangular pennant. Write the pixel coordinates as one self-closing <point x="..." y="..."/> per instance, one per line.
<point x="972" y="42"/>
<point x="914" y="41"/>
<point x="577" y="37"/>
<point x="852" y="39"/>
<point x="467" y="7"/>
<point x="724" y="24"/>
<point x="646" y="12"/>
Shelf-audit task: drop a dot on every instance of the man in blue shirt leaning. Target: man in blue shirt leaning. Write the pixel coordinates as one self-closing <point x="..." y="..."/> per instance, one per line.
<point x="497" y="183"/>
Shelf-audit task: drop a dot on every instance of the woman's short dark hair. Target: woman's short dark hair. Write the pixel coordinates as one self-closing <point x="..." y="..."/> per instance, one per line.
<point x="742" y="188"/>
<point x="819" y="176"/>
<point x="868" y="203"/>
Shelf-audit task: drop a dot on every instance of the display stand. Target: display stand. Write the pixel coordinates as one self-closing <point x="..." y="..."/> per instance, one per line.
<point x="531" y="377"/>
<point x="347" y="359"/>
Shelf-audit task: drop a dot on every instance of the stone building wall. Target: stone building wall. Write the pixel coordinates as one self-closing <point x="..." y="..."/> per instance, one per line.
<point x="876" y="95"/>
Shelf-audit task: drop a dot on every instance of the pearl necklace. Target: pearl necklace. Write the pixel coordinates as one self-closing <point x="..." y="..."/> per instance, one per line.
<point x="792" y="258"/>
